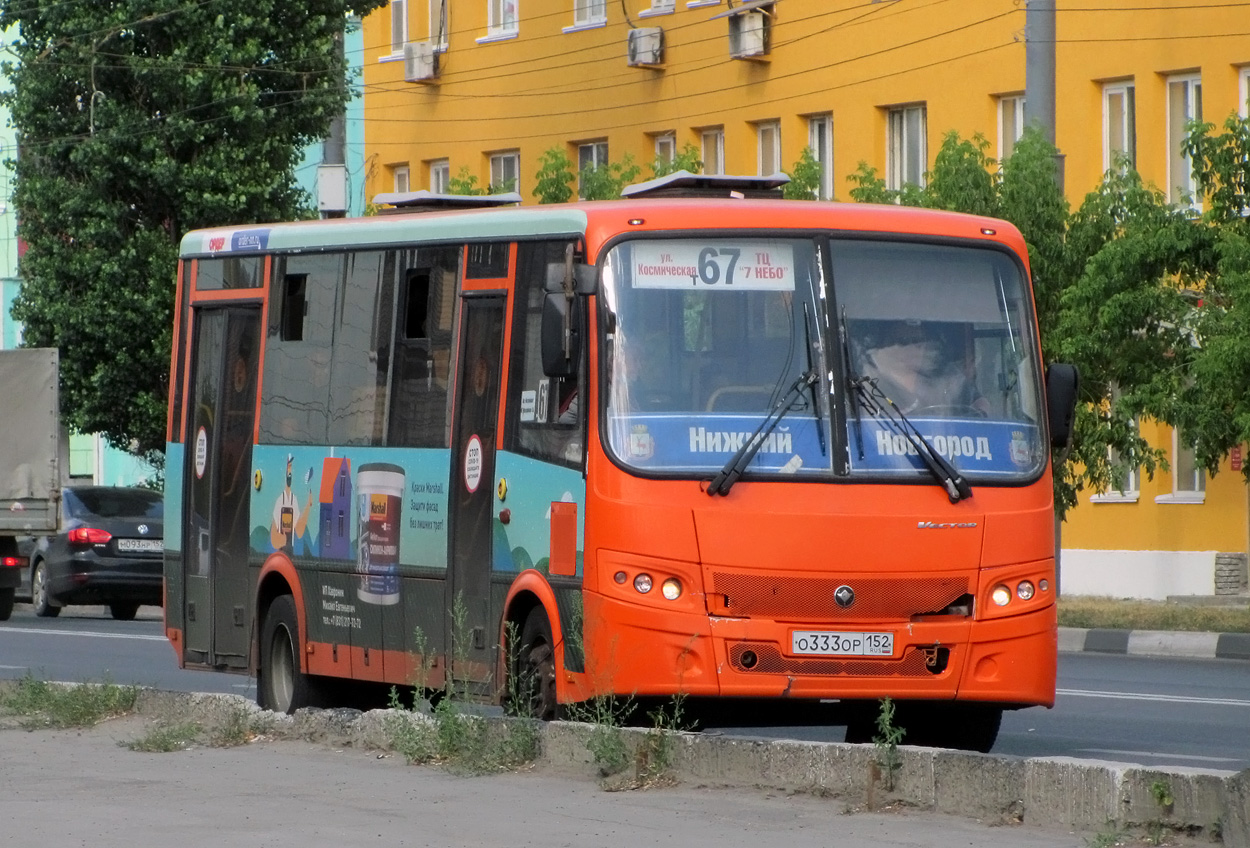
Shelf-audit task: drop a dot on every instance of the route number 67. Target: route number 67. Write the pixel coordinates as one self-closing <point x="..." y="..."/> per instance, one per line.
<point x="710" y="266"/>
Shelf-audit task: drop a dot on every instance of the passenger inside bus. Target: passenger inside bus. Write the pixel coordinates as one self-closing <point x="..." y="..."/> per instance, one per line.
<point x="925" y="368"/>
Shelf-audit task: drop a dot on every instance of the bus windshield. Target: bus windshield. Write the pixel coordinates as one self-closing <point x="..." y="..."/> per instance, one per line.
<point x="707" y="336"/>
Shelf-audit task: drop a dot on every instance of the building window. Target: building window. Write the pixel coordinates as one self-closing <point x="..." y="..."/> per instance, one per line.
<point x="401" y="180"/>
<point x="440" y="175"/>
<point x="908" y="151"/>
<point x="505" y="169"/>
<point x="399" y="26"/>
<point x="1119" y="124"/>
<point x="665" y="148"/>
<point x="501" y="17"/>
<point x="588" y="12"/>
<point x="1187" y="475"/>
<point x="1243" y="86"/>
<point x="659" y="7"/>
<point x="713" y="151"/>
<point x="591" y="155"/>
<point x="769" y="138"/>
<point x="438" y="23"/>
<point x="1184" y="105"/>
<point x="1010" y="124"/>
<point x="820" y="140"/>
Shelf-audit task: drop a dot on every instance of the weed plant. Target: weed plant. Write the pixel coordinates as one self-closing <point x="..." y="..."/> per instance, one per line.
<point x="40" y="704"/>
<point x="886" y="741"/>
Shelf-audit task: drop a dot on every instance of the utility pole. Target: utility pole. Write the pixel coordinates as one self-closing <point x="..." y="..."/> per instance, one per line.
<point x="1039" y="66"/>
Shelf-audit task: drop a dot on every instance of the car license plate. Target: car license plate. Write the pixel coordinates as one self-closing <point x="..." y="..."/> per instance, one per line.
<point x="842" y="644"/>
<point x="146" y="546"/>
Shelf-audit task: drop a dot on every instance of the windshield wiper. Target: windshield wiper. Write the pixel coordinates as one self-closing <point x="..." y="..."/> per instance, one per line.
<point x="853" y="397"/>
<point x="727" y="476"/>
<point x="879" y="405"/>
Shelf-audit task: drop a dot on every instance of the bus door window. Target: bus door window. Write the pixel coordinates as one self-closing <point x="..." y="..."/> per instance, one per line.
<point x="420" y="411"/>
<point x="547" y="415"/>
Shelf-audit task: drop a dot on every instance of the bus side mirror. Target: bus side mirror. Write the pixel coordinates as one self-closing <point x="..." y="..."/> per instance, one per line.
<point x="1062" y="383"/>
<point x="561" y="335"/>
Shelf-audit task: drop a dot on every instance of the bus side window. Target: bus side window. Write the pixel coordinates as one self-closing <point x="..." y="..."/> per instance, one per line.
<point x="546" y="416"/>
<point x="362" y="343"/>
<point x="420" y="412"/>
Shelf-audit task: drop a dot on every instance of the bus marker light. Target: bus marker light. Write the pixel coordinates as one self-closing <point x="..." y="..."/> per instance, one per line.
<point x="643" y="583"/>
<point x="636" y="222"/>
<point x="671" y="588"/>
<point x="620" y="577"/>
<point x="1001" y="595"/>
<point x="1025" y="590"/>
<point x="1044" y="585"/>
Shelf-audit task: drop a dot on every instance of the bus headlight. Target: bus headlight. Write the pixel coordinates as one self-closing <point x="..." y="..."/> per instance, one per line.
<point x="1001" y="596"/>
<point x="1025" y="590"/>
<point x="671" y="588"/>
<point x="643" y="583"/>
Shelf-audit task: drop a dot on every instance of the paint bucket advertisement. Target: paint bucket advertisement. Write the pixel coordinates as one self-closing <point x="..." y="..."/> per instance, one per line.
<point x="380" y="492"/>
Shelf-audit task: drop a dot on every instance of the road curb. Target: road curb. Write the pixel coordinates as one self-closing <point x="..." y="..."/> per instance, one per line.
<point x="1048" y="793"/>
<point x="1155" y="643"/>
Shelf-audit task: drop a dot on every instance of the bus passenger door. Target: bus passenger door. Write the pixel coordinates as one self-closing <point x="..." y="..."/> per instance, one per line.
<point x="470" y="638"/>
<point x="218" y="476"/>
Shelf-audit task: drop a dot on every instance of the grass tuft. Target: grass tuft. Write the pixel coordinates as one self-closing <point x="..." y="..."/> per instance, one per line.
<point x="1117" y="614"/>
<point x="40" y="704"/>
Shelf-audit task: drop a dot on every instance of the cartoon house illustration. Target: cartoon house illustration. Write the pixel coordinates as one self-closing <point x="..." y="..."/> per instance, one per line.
<point x="336" y="508"/>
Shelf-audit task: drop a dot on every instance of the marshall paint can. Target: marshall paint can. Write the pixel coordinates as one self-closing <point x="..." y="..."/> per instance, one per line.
<point x="380" y="495"/>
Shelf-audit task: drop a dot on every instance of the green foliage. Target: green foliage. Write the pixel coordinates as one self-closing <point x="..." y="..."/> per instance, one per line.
<point x="236" y="725"/>
<point x="166" y="737"/>
<point x="686" y="159"/>
<point x="554" y="181"/>
<point x="869" y="186"/>
<point x="41" y="704"/>
<point x="604" y="182"/>
<point x="606" y="742"/>
<point x="964" y="177"/>
<point x="886" y="742"/>
<point x="804" y="178"/>
<point x="464" y="182"/>
<point x="137" y="126"/>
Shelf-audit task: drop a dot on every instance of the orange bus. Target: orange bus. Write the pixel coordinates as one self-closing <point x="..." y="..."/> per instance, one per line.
<point x="699" y="441"/>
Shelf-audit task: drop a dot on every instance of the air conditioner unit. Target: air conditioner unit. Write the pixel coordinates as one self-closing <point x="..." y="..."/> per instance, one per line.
<point x="748" y="35"/>
<point x="645" y="47"/>
<point x="420" y="61"/>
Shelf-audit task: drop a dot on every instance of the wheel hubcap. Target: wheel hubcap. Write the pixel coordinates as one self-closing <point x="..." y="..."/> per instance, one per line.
<point x="281" y="670"/>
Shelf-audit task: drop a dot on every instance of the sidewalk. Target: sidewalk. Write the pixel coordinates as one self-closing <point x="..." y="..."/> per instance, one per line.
<point x="1156" y="643"/>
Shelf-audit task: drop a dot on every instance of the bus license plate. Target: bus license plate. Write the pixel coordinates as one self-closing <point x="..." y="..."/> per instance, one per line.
<point x="842" y="644"/>
<point x="141" y="545"/>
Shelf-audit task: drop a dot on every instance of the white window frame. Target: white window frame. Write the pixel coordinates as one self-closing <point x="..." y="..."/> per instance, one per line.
<point x="1243" y="89"/>
<point x="1122" y="123"/>
<point x="440" y="175"/>
<point x="666" y="146"/>
<point x="1010" y="123"/>
<point x="1129" y="489"/>
<point x="399" y="34"/>
<point x="401" y="179"/>
<point x="589" y="13"/>
<point x="659" y="7"/>
<point x="500" y="164"/>
<point x="438" y="26"/>
<point x="1190" y="486"/>
<point x="907" y="146"/>
<point x="502" y="19"/>
<point x="1189" y="86"/>
<point x="768" y="148"/>
<point x="712" y="139"/>
<point x="820" y="140"/>
<point x="591" y="153"/>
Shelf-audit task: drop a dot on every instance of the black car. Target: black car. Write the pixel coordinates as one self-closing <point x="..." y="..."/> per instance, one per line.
<point x="109" y="551"/>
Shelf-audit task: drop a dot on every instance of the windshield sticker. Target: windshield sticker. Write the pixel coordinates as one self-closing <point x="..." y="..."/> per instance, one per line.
<point x="716" y="265"/>
<point x="983" y="447"/>
<point x="528" y="400"/>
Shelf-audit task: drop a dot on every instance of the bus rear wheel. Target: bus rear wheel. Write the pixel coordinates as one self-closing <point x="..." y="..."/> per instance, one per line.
<point x="532" y="691"/>
<point x="281" y="686"/>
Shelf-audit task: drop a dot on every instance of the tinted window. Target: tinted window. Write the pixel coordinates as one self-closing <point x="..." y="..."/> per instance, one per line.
<point x="114" y="503"/>
<point x="237" y="272"/>
<point x="362" y="346"/>
<point x="420" y="415"/>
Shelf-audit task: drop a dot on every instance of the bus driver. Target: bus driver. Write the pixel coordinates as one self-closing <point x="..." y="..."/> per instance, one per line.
<point x="924" y="368"/>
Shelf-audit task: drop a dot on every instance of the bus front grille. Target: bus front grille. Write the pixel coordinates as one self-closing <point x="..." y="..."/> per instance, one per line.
<point x="812" y="598"/>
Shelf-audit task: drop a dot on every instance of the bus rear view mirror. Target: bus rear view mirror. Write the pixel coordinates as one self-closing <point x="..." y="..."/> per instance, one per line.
<point x="1062" y="383"/>
<point x="561" y="335"/>
<point x="581" y="276"/>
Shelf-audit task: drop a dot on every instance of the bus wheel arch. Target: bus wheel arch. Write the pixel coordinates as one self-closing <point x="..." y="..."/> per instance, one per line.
<point x="281" y="682"/>
<point x="531" y="664"/>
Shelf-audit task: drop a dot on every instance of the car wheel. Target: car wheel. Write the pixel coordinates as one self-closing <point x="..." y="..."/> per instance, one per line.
<point x="6" y="603"/>
<point x="124" y="611"/>
<point x="39" y="592"/>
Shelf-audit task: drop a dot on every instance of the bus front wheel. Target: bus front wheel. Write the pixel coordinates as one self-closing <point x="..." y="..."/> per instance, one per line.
<point x="533" y="688"/>
<point x="281" y="686"/>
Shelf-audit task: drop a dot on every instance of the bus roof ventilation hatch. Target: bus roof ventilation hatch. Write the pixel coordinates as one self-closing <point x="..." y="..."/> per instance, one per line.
<point x="686" y="184"/>
<point x="395" y="202"/>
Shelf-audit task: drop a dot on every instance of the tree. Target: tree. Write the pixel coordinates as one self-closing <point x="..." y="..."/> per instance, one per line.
<point x="686" y="159"/>
<point x="136" y="126"/>
<point x="554" y="181"/>
<point x="604" y="182"/>
<point x="804" y="178"/>
<point x="465" y="183"/>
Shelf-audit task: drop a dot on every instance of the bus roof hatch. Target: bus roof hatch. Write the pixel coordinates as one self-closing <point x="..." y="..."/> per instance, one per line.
<point x="686" y="184"/>
<point x="426" y="201"/>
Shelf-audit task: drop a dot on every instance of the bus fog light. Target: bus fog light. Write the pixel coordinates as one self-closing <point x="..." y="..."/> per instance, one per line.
<point x="1044" y="585"/>
<point x="1025" y="590"/>
<point x="643" y="583"/>
<point x="620" y="577"/>
<point x="1001" y="595"/>
<point x="671" y="588"/>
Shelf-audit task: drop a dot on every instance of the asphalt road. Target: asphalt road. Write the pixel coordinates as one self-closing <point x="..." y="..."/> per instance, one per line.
<point x="1162" y="712"/>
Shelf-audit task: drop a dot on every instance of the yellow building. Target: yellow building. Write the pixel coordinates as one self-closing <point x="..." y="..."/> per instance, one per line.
<point x="486" y="87"/>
